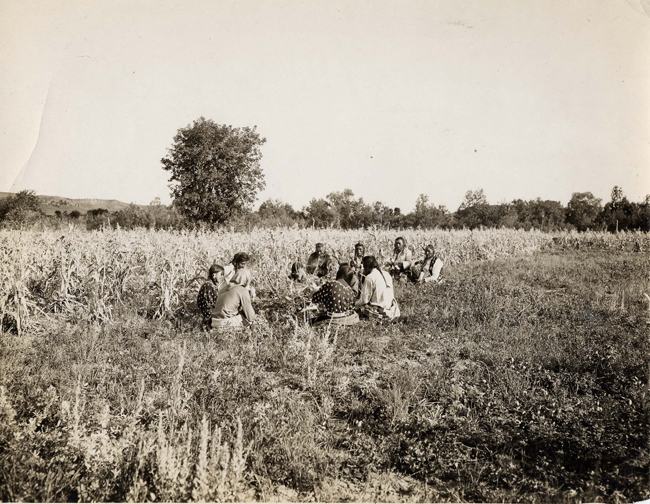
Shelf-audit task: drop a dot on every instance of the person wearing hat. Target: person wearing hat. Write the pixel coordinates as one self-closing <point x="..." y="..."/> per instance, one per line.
<point x="208" y="292"/>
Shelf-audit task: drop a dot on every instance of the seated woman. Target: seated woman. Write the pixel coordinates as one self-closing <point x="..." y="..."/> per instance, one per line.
<point x="208" y="292"/>
<point x="377" y="296"/>
<point x="336" y="298"/>
<point x="233" y="307"/>
<point x="401" y="260"/>
<point x="428" y="269"/>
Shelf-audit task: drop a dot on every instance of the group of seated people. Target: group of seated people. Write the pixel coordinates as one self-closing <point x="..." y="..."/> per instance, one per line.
<point x="400" y="265"/>
<point x="360" y="287"/>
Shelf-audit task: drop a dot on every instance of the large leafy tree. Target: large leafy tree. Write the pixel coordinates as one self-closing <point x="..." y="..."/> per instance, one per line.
<point x="428" y="216"/>
<point x="215" y="170"/>
<point x="541" y="214"/>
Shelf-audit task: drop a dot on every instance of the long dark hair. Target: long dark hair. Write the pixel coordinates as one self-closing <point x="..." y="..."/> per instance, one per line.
<point x="213" y="271"/>
<point x="240" y="259"/>
<point x="331" y="266"/>
<point x="370" y="263"/>
<point x="346" y="273"/>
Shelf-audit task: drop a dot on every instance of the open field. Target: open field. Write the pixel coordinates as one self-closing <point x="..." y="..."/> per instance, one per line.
<point x="522" y="378"/>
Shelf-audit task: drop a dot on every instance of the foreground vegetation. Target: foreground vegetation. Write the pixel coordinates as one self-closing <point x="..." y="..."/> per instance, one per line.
<point x="523" y="377"/>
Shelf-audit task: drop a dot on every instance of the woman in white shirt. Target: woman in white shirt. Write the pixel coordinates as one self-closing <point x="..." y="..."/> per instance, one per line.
<point x="377" y="298"/>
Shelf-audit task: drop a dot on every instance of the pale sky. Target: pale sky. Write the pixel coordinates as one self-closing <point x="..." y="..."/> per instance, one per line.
<point x="521" y="98"/>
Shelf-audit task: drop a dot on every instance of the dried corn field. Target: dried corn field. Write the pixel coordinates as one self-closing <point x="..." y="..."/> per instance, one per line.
<point x="86" y="275"/>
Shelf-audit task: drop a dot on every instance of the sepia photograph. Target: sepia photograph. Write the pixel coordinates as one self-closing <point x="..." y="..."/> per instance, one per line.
<point x="325" y="251"/>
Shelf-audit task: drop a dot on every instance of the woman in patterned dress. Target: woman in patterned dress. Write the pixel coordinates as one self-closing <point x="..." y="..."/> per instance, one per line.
<point x="336" y="298"/>
<point x="208" y="292"/>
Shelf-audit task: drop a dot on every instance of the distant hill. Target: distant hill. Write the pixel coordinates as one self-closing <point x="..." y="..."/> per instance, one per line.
<point x="50" y="204"/>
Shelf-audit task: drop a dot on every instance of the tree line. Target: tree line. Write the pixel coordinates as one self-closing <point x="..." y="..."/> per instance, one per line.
<point x="342" y="210"/>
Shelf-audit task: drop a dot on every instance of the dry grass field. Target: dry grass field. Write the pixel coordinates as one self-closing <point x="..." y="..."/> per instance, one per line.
<point x="523" y="377"/>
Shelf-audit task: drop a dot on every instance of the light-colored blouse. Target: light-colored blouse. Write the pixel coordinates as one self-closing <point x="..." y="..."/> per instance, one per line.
<point x="377" y="290"/>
